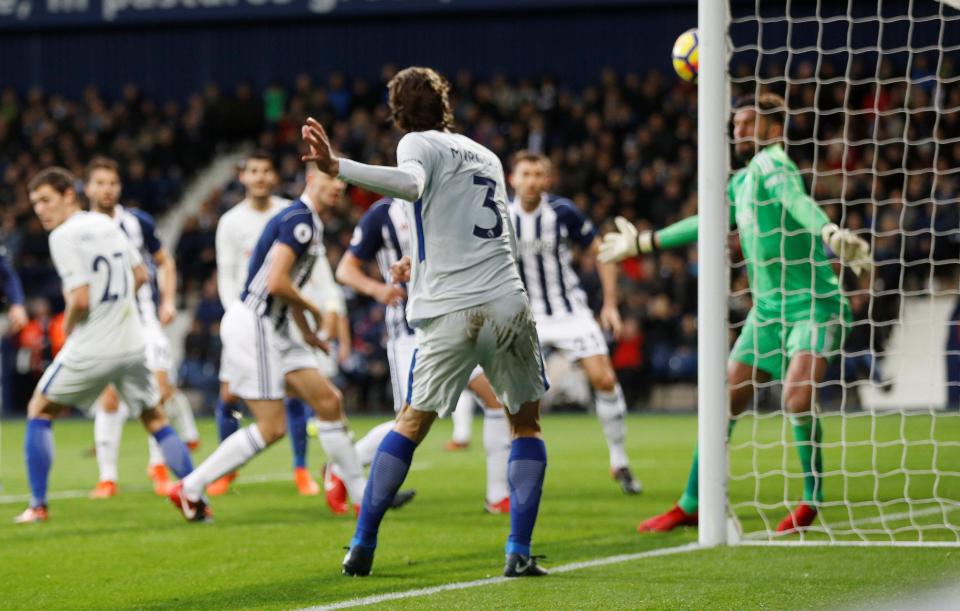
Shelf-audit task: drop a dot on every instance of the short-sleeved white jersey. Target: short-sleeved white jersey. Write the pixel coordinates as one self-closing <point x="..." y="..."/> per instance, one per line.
<point x="464" y="251"/>
<point x="237" y="234"/>
<point x="89" y="249"/>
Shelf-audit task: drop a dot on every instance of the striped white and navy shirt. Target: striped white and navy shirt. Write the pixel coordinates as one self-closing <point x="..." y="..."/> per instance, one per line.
<point x="384" y="234"/>
<point x="141" y="230"/>
<point x="543" y="238"/>
<point x="299" y="227"/>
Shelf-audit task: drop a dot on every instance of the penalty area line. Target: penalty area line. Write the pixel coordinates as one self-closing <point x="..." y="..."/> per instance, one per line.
<point x="477" y="583"/>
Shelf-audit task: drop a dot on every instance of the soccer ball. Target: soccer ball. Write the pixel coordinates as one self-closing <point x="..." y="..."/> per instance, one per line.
<point x="686" y="55"/>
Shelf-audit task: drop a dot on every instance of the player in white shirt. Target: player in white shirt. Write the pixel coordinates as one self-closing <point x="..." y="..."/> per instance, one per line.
<point x="100" y="270"/>
<point x="546" y="225"/>
<point x="383" y="234"/>
<point x="237" y="234"/>
<point x="265" y="362"/>
<point x="465" y="300"/>
<point x="156" y="302"/>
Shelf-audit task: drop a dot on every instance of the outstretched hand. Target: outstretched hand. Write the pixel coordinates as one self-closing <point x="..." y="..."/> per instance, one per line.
<point x="321" y="153"/>
<point x="621" y="244"/>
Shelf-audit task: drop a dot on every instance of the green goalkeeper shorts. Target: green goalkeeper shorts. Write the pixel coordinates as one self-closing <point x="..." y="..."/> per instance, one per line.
<point x="770" y="343"/>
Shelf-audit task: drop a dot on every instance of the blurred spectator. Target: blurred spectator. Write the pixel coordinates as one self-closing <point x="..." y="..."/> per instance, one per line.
<point x="625" y="144"/>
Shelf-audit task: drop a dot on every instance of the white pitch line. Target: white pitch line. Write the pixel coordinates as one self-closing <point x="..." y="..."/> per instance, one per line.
<point x="463" y="585"/>
<point x="11" y="499"/>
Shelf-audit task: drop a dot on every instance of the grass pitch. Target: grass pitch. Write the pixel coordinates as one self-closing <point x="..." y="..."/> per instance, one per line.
<point x="270" y="548"/>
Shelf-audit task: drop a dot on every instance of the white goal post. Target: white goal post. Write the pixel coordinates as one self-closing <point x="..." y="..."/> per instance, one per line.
<point x="872" y="90"/>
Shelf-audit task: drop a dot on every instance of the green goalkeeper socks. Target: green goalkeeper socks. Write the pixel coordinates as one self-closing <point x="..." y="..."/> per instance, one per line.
<point x="689" y="499"/>
<point x="809" y="435"/>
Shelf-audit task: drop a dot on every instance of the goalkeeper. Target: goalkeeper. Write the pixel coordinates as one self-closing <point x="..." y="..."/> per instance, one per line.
<point x="798" y="313"/>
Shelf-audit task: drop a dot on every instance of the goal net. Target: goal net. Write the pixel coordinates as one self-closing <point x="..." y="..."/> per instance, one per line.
<point x="872" y="90"/>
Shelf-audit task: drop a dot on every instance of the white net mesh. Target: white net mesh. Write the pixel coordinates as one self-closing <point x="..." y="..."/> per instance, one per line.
<point x="873" y="94"/>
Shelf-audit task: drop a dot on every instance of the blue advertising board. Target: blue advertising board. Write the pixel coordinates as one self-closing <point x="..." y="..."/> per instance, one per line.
<point x="43" y="14"/>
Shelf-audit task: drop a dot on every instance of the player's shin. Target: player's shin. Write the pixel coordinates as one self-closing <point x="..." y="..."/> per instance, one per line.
<point x="611" y="409"/>
<point x="496" y="443"/>
<point x="227" y="422"/>
<point x="235" y="451"/>
<point x="339" y="449"/>
<point x="175" y="452"/>
<point x="107" y="432"/>
<point x="526" y="469"/>
<point x="809" y="437"/>
<point x="38" y="451"/>
<point x="387" y="472"/>
<point x="297" y="429"/>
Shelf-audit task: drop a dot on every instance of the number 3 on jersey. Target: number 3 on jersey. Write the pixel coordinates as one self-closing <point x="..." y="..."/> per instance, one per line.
<point x="488" y="233"/>
<point x="102" y="261"/>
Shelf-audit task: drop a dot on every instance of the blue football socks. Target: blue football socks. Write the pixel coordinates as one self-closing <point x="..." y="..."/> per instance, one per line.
<point x="525" y="471"/>
<point x="297" y="427"/>
<point x="175" y="452"/>
<point x="227" y="423"/>
<point x="387" y="472"/>
<point x="38" y="453"/>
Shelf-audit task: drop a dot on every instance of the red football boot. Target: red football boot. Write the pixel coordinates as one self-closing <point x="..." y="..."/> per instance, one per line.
<point x="336" y="491"/>
<point x="500" y="507"/>
<point x="305" y="483"/>
<point x="798" y="519"/>
<point x="104" y="490"/>
<point x="222" y="484"/>
<point x="160" y="477"/>
<point x="193" y="511"/>
<point x="668" y="521"/>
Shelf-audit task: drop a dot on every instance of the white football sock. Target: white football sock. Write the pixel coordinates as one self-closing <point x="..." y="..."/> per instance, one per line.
<point x="234" y="452"/>
<point x="368" y="444"/>
<point x="611" y="408"/>
<point x="155" y="454"/>
<point x="496" y="442"/>
<point x="342" y="455"/>
<point x="463" y="418"/>
<point x="180" y="413"/>
<point x="107" y="432"/>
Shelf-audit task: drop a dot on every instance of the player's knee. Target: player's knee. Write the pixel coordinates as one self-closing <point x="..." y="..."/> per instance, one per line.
<point x="798" y="399"/>
<point x="329" y="406"/>
<point x="36" y="408"/>
<point x="154" y="419"/>
<point x="272" y="430"/>
<point x="605" y="381"/>
<point x="414" y="424"/>
<point x="526" y="422"/>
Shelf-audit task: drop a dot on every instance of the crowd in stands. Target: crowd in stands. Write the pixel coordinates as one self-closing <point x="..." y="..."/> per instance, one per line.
<point x="624" y="145"/>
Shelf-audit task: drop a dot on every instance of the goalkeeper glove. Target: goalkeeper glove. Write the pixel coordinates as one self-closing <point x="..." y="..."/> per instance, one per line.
<point x="625" y="243"/>
<point x="854" y="252"/>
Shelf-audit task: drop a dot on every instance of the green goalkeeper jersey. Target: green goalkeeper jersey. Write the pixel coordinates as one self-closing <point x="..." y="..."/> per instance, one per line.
<point x="779" y="226"/>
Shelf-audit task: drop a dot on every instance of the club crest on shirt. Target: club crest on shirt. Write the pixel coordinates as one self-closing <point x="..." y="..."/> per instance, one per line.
<point x="302" y="233"/>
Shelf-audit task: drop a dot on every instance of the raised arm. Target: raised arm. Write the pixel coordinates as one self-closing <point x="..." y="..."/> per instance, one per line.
<point x="627" y="242"/>
<point x="406" y="181"/>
